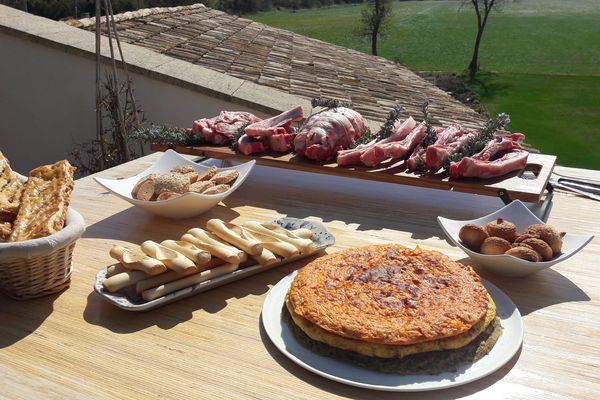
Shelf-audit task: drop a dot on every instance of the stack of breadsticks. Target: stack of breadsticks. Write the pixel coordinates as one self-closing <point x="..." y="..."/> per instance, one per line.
<point x="156" y="269"/>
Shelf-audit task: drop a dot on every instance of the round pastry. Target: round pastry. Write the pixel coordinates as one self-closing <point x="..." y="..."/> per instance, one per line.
<point x="389" y="295"/>
<point x="472" y="235"/>
<point x="524" y="253"/>
<point x="548" y="234"/>
<point x="542" y="248"/>
<point x="502" y="229"/>
<point x="495" y="245"/>
<point x="525" y="236"/>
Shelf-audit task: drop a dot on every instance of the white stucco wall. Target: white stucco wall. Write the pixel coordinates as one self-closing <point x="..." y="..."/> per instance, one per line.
<point x="47" y="101"/>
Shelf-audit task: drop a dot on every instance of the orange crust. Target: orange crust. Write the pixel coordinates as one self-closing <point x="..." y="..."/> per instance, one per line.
<point x="389" y="294"/>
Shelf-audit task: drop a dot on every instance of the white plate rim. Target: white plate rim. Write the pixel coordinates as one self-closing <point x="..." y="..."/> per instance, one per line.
<point x="507" y="346"/>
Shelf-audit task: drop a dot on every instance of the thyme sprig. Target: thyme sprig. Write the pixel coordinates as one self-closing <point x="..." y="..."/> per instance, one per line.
<point x="387" y="128"/>
<point x="166" y="135"/>
<point x="430" y="136"/>
<point x="482" y="138"/>
<point x="236" y="137"/>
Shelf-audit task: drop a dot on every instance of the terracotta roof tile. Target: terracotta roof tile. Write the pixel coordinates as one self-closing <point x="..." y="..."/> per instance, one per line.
<point x="287" y="61"/>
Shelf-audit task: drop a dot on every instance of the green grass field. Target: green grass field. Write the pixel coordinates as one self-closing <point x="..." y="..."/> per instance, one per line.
<point x="541" y="60"/>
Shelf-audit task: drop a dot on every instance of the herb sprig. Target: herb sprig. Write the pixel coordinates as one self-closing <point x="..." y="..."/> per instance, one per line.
<point x="326" y="102"/>
<point x="387" y="128"/>
<point x="166" y="135"/>
<point x="483" y="137"/>
<point x="430" y="136"/>
<point x="236" y="137"/>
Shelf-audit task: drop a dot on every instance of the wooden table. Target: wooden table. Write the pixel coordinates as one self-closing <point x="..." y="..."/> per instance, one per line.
<point x="76" y="345"/>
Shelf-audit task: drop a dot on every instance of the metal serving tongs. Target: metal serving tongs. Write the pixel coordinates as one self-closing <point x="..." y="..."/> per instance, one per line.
<point x="585" y="187"/>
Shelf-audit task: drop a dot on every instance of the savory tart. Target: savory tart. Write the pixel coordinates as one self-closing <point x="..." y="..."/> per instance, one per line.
<point x="388" y="302"/>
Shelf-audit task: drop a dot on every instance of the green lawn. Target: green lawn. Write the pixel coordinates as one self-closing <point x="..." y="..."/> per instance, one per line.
<point x="545" y="55"/>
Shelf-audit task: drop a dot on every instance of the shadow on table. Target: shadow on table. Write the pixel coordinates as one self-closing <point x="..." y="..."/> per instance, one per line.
<point x="534" y="292"/>
<point x="102" y="313"/>
<point x="136" y="225"/>
<point x="19" y="319"/>
<point x="360" y="393"/>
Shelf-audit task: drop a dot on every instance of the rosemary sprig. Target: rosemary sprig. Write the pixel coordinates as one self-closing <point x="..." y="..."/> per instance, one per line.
<point x="387" y="128"/>
<point x="430" y="136"/>
<point x="482" y="138"/>
<point x="236" y="137"/>
<point x="166" y="135"/>
<point x="328" y="103"/>
<point x="366" y="137"/>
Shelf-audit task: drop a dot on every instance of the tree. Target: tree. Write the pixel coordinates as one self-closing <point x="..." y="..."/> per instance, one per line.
<point x="375" y="20"/>
<point x="483" y="8"/>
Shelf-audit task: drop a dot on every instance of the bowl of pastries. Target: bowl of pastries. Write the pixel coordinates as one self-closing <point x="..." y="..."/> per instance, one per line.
<point x="513" y="241"/>
<point x="175" y="187"/>
<point x="38" y="230"/>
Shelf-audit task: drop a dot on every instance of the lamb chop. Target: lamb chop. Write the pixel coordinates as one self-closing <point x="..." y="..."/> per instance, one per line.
<point x="222" y="128"/>
<point x="395" y="149"/>
<point x="328" y="132"/>
<point x="500" y="156"/>
<point x="260" y="144"/>
<point x="275" y="133"/>
<point x="416" y="161"/>
<point x="437" y="155"/>
<point x="353" y="156"/>
<point x="277" y="125"/>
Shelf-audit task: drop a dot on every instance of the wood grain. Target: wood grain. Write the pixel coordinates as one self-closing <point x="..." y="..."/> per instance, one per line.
<point x="76" y="345"/>
<point x="530" y="190"/>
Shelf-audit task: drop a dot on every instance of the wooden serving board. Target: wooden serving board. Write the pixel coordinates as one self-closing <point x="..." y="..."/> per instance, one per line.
<point x="526" y="185"/>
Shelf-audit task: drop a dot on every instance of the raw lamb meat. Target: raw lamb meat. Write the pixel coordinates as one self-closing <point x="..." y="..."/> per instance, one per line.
<point x="500" y="156"/>
<point x="437" y="155"/>
<point x="416" y="161"/>
<point x="260" y="144"/>
<point x="277" y="125"/>
<point x="222" y="128"/>
<point x="328" y="132"/>
<point x="396" y="149"/>
<point x="353" y="156"/>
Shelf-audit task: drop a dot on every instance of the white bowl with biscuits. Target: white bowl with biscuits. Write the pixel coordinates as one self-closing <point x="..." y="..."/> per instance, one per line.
<point x="529" y="250"/>
<point x="175" y="187"/>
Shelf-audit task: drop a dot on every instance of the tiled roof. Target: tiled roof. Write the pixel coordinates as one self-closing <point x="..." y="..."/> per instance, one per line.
<point x="287" y="61"/>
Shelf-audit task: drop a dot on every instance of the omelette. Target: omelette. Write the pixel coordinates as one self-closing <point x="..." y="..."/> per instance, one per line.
<point x="392" y="308"/>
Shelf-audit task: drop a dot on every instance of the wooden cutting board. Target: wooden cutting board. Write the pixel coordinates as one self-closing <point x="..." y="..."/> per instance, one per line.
<point x="526" y="185"/>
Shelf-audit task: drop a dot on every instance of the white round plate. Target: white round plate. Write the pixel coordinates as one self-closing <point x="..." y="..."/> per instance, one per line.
<point x="507" y="346"/>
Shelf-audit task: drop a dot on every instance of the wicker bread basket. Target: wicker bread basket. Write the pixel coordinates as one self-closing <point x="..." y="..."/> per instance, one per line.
<point x="38" y="267"/>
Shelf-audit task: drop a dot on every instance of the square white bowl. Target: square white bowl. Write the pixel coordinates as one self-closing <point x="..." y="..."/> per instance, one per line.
<point x="188" y="204"/>
<point x="517" y="213"/>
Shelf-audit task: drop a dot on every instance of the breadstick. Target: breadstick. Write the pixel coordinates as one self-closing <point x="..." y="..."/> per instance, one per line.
<point x="122" y="280"/>
<point x="170" y="287"/>
<point x="266" y="258"/>
<point x="215" y="250"/>
<point x="115" y="269"/>
<point x="279" y="247"/>
<point x="136" y="260"/>
<point x="209" y="239"/>
<point x="169" y="276"/>
<point x="189" y="250"/>
<point x="304" y="245"/>
<point x="303" y="233"/>
<point x="172" y="259"/>
<point x="236" y="237"/>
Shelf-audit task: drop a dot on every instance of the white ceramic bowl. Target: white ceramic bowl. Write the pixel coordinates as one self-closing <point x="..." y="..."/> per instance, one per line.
<point x="517" y="213"/>
<point x="188" y="204"/>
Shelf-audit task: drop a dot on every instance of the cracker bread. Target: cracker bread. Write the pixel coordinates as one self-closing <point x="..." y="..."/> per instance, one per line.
<point x="44" y="202"/>
<point x="11" y="190"/>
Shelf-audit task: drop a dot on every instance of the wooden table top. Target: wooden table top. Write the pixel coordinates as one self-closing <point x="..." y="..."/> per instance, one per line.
<point x="76" y="345"/>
